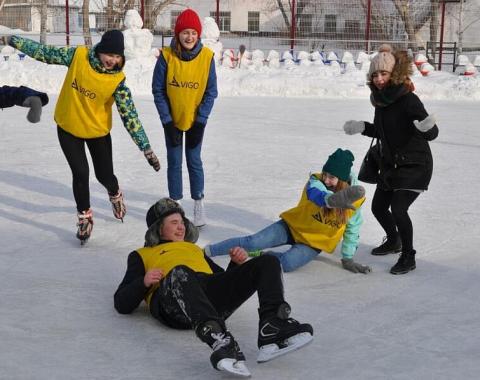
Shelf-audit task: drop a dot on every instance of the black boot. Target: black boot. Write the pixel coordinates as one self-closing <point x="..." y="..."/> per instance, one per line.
<point x="405" y="263"/>
<point x="389" y="245"/>
<point x="279" y="334"/>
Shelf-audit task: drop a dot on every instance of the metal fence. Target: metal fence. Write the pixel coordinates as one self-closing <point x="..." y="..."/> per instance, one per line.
<point x="269" y="24"/>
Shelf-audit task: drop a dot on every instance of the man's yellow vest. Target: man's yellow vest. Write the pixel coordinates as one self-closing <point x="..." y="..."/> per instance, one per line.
<point x="169" y="255"/>
<point x="310" y="225"/>
<point x="186" y="84"/>
<point x="84" y="106"/>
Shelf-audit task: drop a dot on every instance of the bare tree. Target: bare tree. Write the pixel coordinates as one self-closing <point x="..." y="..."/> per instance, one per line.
<point x="86" y="23"/>
<point x="43" y="21"/>
<point x="434" y="28"/>
<point x="152" y="9"/>
<point x="414" y="14"/>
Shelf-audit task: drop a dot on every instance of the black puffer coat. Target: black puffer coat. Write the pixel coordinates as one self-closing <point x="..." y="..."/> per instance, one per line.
<point x="407" y="158"/>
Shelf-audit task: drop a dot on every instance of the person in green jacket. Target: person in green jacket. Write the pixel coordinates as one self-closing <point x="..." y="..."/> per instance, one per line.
<point x="83" y="115"/>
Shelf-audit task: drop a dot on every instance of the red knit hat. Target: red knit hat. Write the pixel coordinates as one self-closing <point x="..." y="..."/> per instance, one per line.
<point x="188" y="19"/>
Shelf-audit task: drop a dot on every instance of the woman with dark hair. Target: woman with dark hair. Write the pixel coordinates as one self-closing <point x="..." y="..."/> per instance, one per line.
<point x="83" y="114"/>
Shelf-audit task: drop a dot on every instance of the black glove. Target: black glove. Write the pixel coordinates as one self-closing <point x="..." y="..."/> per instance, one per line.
<point x="174" y="135"/>
<point x="152" y="159"/>
<point x="194" y="135"/>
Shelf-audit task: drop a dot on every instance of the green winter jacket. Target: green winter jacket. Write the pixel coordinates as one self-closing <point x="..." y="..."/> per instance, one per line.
<point x="64" y="56"/>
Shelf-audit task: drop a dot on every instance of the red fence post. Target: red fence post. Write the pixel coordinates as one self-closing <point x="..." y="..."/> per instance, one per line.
<point x="440" y="49"/>
<point x="67" y="23"/>
<point x="217" y="18"/>
<point x="292" y="32"/>
<point x="367" y="27"/>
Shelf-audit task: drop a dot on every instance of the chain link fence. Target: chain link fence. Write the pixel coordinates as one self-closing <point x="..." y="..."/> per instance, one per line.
<point x="309" y="25"/>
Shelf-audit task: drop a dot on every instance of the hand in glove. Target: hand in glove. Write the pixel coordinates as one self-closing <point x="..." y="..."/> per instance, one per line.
<point x="152" y="159"/>
<point x="352" y="127"/>
<point x="194" y="135"/>
<point x="354" y="267"/>
<point x="174" y="134"/>
<point x="35" y="105"/>
<point x="426" y="124"/>
<point x="344" y="198"/>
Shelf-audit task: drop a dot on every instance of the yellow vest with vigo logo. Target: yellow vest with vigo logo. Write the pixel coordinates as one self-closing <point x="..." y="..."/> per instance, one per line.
<point x="169" y="255"/>
<point x="310" y="225"/>
<point x="84" y="106"/>
<point x="186" y="84"/>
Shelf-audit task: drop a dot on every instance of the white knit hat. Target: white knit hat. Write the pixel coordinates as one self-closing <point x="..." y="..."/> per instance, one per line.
<point x="383" y="61"/>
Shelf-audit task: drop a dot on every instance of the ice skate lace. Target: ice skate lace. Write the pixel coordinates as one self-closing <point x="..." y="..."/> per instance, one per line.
<point x="117" y="203"/>
<point x="84" y="224"/>
<point x="221" y="340"/>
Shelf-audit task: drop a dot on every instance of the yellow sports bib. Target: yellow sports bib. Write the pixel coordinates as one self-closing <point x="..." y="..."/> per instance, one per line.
<point x="310" y="225"/>
<point x="84" y="106"/>
<point x="186" y="84"/>
<point x="169" y="255"/>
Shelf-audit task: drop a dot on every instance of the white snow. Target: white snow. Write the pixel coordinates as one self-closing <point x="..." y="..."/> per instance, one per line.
<point x="269" y="129"/>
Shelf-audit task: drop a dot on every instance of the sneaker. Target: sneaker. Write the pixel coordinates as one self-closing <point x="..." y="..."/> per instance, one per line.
<point x="226" y="355"/>
<point x="85" y="225"/>
<point x="280" y="334"/>
<point x="388" y="246"/>
<point x="118" y="205"/>
<point x="199" y="213"/>
<point x="405" y="263"/>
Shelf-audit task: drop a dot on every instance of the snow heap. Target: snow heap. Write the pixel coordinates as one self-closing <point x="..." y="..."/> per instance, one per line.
<point x="273" y="59"/>
<point x="138" y="41"/>
<point x="211" y="37"/>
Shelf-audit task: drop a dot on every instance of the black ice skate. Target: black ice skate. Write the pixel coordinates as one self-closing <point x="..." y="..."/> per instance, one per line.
<point x="280" y="334"/>
<point x="226" y="355"/>
<point x="388" y="246"/>
<point x="118" y="205"/>
<point x="85" y="225"/>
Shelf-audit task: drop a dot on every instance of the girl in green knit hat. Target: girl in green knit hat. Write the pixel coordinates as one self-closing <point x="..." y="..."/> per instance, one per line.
<point x="328" y="212"/>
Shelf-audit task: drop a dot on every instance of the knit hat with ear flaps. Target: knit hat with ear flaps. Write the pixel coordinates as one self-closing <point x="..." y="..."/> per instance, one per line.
<point x="188" y="19"/>
<point x="112" y="42"/>
<point x="339" y="164"/>
<point x="155" y="216"/>
<point x="383" y="61"/>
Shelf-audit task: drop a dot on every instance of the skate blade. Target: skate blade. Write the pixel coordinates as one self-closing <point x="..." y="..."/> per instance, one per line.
<point x="271" y="351"/>
<point x="83" y="242"/>
<point x="234" y="367"/>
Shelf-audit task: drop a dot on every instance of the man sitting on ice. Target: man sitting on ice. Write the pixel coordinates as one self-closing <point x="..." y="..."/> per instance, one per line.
<point x="185" y="289"/>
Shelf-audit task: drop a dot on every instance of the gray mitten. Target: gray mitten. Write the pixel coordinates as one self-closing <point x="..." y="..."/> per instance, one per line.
<point x="354" y="267"/>
<point x="35" y="105"/>
<point x="352" y="127"/>
<point x="344" y="198"/>
<point x="426" y="124"/>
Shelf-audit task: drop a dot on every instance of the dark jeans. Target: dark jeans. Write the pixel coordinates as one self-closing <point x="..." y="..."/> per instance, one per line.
<point x="186" y="299"/>
<point x="101" y="152"/>
<point x="390" y="208"/>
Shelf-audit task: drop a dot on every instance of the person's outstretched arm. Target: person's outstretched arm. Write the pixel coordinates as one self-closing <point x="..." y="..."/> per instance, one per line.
<point x="43" y="53"/>
<point x="131" y="122"/>
<point x="132" y="289"/>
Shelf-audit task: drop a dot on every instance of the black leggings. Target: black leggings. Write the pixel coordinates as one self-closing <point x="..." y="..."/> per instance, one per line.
<point x="101" y="152"/>
<point x="398" y="201"/>
<point x="186" y="299"/>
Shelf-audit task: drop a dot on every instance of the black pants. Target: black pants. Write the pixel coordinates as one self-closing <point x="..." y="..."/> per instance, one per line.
<point x="390" y="208"/>
<point x="101" y="152"/>
<point x="186" y="299"/>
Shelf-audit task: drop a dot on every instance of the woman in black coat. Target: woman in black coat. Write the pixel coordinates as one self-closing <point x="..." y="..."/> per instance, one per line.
<point x="403" y="129"/>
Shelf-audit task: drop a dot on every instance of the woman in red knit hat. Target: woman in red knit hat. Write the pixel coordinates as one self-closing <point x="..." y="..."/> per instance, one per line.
<point x="184" y="88"/>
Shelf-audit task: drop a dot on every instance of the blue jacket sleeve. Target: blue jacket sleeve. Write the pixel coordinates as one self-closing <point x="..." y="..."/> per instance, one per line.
<point x="209" y="96"/>
<point x="316" y="191"/>
<point x="351" y="235"/>
<point x="159" y="90"/>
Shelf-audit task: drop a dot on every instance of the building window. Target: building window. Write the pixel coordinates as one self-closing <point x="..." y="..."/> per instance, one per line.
<point x="352" y="28"/>
<point x="253" y="21"/>
<point x="224" y="20"/>
<point x="330" y="24"/>
<point x="173" y="19"/>
<point x="305" y="22"/>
